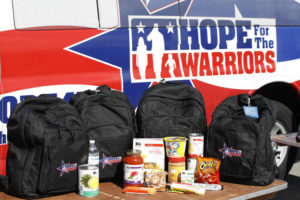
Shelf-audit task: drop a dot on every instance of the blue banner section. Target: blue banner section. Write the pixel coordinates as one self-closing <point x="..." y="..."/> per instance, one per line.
<point x="154" y="5"/>
<point x="111" y="47"/>
<point x="211" y="8"/>
<point x="167" y="27"/>
<point x="288" y="40"/>
<point x="285" y="12"/>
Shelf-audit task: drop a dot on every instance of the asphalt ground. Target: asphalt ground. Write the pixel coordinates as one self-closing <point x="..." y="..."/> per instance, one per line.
<point x="293" y="179"/>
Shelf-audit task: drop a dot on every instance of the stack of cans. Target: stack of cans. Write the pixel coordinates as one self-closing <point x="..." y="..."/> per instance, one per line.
<point x="195" y="149"/>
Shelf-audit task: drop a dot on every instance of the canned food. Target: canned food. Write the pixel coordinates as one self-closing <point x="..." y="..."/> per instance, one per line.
<point x="192" y="164"/>
<point x="88" y="182"/>
<point x="196" y="144"/>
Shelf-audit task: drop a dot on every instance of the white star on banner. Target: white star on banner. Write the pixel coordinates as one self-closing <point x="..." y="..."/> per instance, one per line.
<point x="140" y="27"/>
<point x="170" y="27"/>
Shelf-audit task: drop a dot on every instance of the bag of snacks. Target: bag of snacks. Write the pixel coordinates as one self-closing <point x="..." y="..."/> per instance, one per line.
<point x="208" y="170"/>
<point x="156" y="179"/>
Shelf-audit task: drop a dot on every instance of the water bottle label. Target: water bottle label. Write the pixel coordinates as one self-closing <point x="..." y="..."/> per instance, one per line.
<point x="94" y="160"/>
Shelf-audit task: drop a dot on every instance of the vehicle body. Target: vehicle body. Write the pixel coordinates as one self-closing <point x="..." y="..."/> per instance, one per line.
<point x="222" y="48"/>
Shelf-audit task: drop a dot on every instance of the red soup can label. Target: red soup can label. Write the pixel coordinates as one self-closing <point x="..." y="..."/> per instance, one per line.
<point x="196" y="144"/>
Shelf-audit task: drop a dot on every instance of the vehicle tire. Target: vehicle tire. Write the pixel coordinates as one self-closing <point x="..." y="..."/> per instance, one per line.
<point x="284" y="155"/>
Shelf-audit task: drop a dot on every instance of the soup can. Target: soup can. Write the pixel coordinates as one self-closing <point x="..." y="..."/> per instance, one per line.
<point x="88" y="180"/>
<point x="192" y="164"/>
<point x="195" y="144"/>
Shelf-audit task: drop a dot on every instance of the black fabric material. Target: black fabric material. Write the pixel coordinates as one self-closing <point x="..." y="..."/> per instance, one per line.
<point x="255" y="164"/>
<point x="109" y="119"/>
<point x="298" y="135"/>
<point x="3" y="183"/>
<point x="171" y="109"/>
<point x="43" y="133"/>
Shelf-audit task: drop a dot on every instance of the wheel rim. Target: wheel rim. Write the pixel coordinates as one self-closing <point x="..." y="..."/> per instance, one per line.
<point x="280" y="151"/>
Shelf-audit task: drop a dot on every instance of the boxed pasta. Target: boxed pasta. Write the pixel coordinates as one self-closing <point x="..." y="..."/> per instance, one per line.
<point x="153" y="153"/>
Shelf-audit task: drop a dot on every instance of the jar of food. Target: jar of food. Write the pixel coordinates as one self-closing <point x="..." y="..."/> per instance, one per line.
<point x="176" y="165"/>
<point x="133" y="168"/>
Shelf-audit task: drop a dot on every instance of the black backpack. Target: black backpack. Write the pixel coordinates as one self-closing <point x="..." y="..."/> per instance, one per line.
<point x="298" y="135"/>
<point x="47" y="143"/>
<point x="242" y="143"/>
<point x="171" y="109"/>
<point x="109" y="119"/>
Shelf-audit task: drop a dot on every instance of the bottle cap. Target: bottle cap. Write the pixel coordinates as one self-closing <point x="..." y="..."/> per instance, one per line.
<point x="195" y="134"/>
<point x="92" y="141"/>
<point x="133" y="152"/>
<point x="177" y="159"/>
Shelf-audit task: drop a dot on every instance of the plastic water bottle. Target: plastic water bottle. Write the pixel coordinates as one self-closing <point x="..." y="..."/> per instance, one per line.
<point x="93" y="154"/>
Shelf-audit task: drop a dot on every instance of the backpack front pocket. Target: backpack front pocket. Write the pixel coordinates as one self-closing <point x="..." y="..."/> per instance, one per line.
<point x="234" y="145"/>
<point x="59" y="168"/>
<point x="112" y="141"/>
<point x="163" y="126"/>
<point x="112" y="152"/>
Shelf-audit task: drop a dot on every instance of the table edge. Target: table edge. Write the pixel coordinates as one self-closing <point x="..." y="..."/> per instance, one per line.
<point x="262" y="192"/>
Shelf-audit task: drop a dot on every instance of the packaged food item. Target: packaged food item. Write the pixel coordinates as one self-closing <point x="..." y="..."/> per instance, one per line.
<point x="206" y="186"/>
<point x="195" y="144"/>
<point x="192" y="164"/>
<point x="175" y="146"/>
<point x="212" y="187"/>
<point x="156" y="179"/>
<point x="208" y="170"/>
<point x="187" y="176"/>
<point x="88" y="183"/>
<point x="153" y="153"/>
<point x="175" y="166"/>
<point x="133" y="168"/>
<point x="139" y="190"/>
<point x="187" y="188"/>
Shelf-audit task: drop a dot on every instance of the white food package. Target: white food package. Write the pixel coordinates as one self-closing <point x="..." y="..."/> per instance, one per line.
<point x="153" y="153"/>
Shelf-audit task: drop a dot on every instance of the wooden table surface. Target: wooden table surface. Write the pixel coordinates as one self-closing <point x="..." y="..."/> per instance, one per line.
<point x="233" y="191"/>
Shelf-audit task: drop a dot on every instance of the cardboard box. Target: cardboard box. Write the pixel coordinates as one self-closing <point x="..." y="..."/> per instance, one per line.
<point x="153" y="152"/>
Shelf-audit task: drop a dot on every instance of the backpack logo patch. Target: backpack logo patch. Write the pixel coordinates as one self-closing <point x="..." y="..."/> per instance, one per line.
<point x="66" y="167"/>
<point x="229" y="151"/>
<point x="110" y="160"/>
